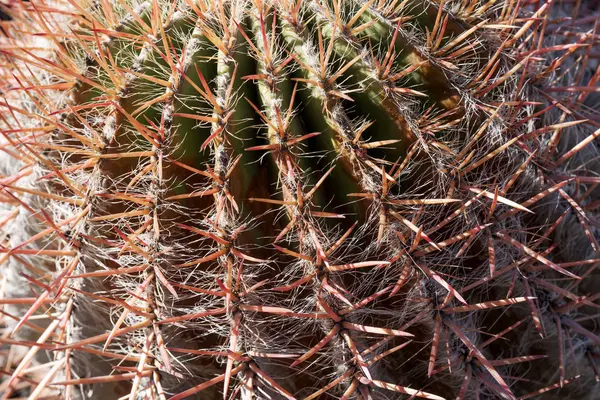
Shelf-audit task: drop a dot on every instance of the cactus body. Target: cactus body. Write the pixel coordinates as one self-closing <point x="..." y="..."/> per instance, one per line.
<point x="300" y="199"/>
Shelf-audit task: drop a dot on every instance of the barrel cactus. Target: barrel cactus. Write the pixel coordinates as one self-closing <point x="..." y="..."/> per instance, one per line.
<point x="354" y="199"/>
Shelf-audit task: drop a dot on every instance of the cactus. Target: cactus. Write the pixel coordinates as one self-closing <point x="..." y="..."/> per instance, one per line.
<point x="356" y="199"/>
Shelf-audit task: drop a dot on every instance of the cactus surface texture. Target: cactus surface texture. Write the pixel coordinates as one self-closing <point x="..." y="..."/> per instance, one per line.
<point x="299" y="199"/>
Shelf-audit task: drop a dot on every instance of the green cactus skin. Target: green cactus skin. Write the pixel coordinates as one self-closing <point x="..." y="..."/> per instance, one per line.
<point x="329" y="199"/>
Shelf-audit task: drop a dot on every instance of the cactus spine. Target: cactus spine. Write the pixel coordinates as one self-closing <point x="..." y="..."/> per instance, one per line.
<point x="362" y="199"/>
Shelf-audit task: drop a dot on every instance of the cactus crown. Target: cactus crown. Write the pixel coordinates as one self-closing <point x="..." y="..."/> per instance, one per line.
<point x="299" y="199"/>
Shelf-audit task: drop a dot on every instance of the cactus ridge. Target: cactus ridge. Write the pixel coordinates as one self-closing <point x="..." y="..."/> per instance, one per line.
<point x="362" y="199"/>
